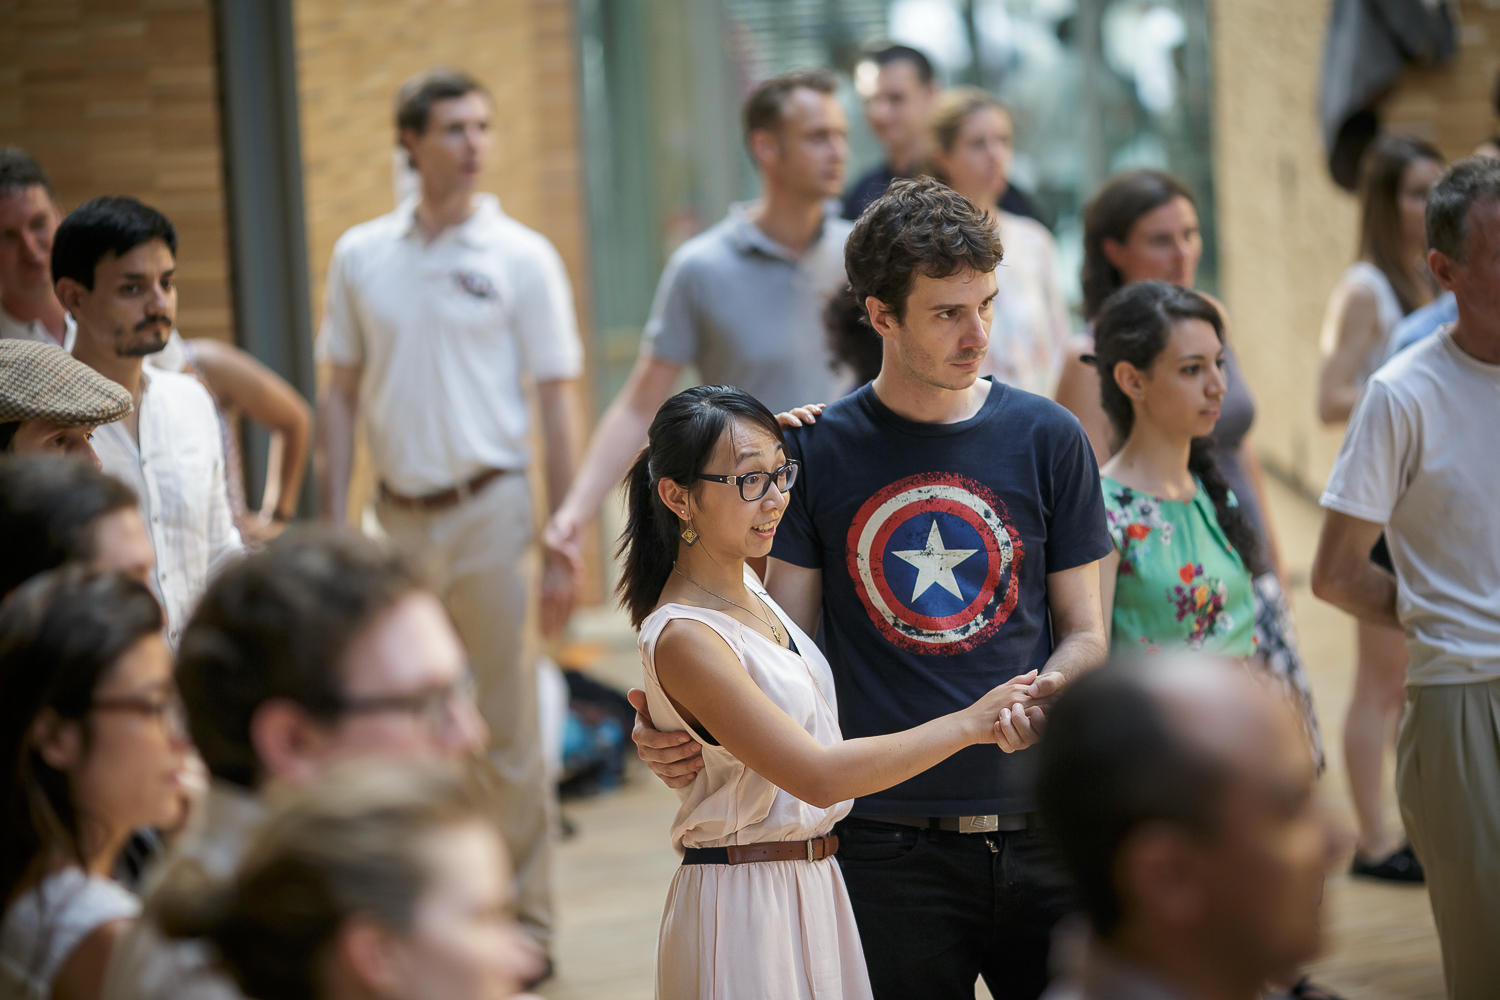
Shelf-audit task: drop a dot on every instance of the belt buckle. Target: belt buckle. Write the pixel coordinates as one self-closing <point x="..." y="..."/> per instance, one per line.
<point x="978" y="824"/>
<point x="810" y="851"/>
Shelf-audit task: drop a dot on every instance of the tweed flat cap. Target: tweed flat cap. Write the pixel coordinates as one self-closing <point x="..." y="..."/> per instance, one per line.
<point x="39" y="381"/>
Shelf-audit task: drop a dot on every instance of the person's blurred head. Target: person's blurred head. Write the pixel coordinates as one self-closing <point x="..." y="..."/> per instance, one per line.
<point x="381" y="881"/>
<point x="1180" y="794"/>
<point x="898" y="89"/>
<point x="973" y="144"/>
<point x="51" y="403"/>
<point x="28" y="220"/>
<point x="709" y="430"/>
<point x="92" y="738"/>
<point x="322" y="647"/>
<point x="443" y="123"/>
<point x="922" y="260"/>
<point x="115" y="264"/>
<point x="1394" y="177"/>
<point x="1141" y="226"/>
<point x="55" y="510"/>
<point x="851" y="339"/>
<point x="798" y="135"/>
<point x="1463" y="231"/>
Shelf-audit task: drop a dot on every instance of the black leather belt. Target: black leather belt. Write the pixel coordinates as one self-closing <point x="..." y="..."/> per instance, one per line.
<point x="1009" y="823"/>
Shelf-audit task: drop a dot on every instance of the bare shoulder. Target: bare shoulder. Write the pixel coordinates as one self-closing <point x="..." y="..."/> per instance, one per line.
<point x="81" y="975"/>
<point x="685" y="639"/>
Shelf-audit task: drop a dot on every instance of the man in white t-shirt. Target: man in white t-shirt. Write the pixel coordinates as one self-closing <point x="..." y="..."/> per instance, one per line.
<point x="1419" y="461"/>
<point x="29" y="309"/>
<point x="435" y="316"/>
<point x="115" y="264"/>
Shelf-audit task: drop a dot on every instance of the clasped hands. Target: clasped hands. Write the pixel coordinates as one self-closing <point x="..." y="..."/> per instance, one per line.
<point x="1018" y="708"/>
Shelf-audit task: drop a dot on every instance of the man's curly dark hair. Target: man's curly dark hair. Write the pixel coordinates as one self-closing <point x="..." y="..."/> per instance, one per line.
<point x="919" y="226"/>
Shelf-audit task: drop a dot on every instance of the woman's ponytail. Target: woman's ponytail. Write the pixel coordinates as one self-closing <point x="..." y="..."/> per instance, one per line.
<point x="647" y="546"/>
<point x="682" y="438"/>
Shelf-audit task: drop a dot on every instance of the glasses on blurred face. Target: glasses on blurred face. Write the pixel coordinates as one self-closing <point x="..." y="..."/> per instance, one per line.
<point x="434" y="707"/>
<point x="168" y="710"/>
<point x="754" y="485"/>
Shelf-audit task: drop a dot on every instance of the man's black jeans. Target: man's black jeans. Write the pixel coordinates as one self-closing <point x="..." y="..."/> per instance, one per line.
<point x="937" y="910"/>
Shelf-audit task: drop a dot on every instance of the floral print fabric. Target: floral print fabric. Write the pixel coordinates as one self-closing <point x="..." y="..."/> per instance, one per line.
<point x="1180" y="584"/>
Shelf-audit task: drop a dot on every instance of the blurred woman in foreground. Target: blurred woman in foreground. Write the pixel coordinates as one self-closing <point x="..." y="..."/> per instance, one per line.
<point x="382" y="882"/>
<point x="93" y="745"/>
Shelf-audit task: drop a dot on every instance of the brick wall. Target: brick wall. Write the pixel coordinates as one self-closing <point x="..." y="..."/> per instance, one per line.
<point x="353" y="55"/>
<point x="120" y="97"/>
<point x="1285" y="231"/>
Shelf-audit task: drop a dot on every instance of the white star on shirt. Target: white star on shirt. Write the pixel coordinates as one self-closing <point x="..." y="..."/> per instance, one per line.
<point x="935" y="564"/>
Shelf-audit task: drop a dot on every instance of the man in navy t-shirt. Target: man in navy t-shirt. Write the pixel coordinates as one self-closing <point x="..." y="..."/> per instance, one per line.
<point x="946" y="530"/>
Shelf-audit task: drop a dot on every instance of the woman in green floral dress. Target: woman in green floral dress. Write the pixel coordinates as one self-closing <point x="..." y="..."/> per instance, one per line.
<point x="1179" y="576"/>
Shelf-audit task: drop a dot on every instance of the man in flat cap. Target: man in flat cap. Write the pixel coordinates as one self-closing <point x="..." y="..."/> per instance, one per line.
<point x="50" y="404"/>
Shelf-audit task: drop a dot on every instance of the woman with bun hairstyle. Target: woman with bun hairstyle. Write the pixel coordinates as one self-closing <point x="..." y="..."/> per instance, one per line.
<point x="382" y="881"/>
<point x="759" y="907"/>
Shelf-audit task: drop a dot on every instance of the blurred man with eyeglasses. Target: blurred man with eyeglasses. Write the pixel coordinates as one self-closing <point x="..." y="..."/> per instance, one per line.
<point x="320" y="649"/>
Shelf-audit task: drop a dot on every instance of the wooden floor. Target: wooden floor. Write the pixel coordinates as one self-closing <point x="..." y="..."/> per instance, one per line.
<point x="612" y="875"/>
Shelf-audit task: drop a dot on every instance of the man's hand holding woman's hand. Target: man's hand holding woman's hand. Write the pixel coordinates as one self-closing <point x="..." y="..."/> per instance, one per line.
<point x="1010" y="715"/>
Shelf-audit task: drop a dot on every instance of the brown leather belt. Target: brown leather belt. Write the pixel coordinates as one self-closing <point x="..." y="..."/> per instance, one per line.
<point x="444" y="499"/>
<point x="744" y="854"/>
<point x="1009" y="823"/>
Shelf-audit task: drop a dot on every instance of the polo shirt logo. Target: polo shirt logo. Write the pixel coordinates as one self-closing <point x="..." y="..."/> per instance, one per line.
<point x="476" y="284"/>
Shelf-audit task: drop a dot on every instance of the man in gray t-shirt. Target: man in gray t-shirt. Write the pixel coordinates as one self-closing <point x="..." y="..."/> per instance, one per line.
<point x="1418" y="461"/>
<point x="742" y="302"/>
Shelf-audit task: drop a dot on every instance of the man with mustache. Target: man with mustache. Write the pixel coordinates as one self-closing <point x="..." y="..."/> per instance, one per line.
<point x="114" y="264"/>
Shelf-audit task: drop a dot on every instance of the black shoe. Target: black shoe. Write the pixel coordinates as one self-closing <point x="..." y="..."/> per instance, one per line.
<point x="1401" y="866"/>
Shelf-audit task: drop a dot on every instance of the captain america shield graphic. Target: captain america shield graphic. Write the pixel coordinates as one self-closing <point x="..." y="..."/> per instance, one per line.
<point x="936" y="562"/>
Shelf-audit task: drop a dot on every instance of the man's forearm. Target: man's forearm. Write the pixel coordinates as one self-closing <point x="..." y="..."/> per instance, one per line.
<point x="1077" y="654"/>
<point x="561" y="423"/>
<point x="333" y="457"/>
<point x="617" y="439"/>
<point x="1365" y="591"/>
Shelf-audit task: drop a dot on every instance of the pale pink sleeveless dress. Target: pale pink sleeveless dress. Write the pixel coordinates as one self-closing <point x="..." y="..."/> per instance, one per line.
<point x="778" y="930"/>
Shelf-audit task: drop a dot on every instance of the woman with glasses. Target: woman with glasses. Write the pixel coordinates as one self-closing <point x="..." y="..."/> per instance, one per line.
<point x="758" y="908"/>
<point x="94" y="746"/>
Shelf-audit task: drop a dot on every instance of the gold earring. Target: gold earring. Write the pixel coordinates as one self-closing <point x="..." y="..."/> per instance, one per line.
<point x="689" y="535"/>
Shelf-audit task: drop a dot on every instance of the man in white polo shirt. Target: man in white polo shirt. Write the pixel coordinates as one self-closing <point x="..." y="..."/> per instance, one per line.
<point x="1419" y="462"/>
<point x="743" y="301"/>
<point x="115" y="264"/>
<point x="29" y="309"/>
<point x="435" y="315"/>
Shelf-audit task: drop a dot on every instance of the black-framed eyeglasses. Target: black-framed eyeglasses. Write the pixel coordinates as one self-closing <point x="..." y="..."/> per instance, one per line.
<point x="169" y="711"/>
<point x="434" y="707"/>
<point x="754" y="485"/>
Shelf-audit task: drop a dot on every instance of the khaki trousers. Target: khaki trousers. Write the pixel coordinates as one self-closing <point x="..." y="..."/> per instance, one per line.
<point x="484" y="567"/>
<point x="1448" y="783"/>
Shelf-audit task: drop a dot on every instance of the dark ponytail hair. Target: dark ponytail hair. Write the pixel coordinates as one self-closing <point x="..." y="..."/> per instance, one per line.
<point x="681" y="439"/>
<point x="1134" y="326"/>
<point x="1111" y="215"/>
